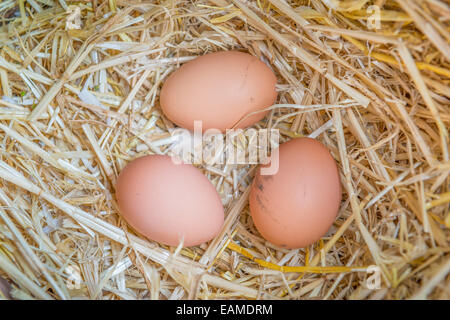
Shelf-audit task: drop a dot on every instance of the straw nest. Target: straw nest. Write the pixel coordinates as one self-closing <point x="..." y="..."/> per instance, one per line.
<point x="80" y="83"/>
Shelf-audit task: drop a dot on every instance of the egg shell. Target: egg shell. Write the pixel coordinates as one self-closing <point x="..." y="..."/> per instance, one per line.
<point x="219" y="89"/>
<point x="167" y="202"/>
<point x="297" y="205"/>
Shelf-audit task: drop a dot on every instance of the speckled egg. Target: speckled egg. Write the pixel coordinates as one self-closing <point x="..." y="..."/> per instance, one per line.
<point x="297" y="205"/>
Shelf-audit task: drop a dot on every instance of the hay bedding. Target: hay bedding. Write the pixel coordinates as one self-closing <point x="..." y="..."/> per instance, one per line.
<point x="80" y="82"/>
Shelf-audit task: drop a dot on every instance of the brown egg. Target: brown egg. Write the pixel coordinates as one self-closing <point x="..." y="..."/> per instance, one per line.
<point x="219" y="89"/>
<point x="168" y="202"/>
<point x="297" y="205"/>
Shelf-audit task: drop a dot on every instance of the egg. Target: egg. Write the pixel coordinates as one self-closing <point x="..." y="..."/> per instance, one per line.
<point x="296" y="206"/>
<point x="169" y="202"/>
<point x="219" y="89"/>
